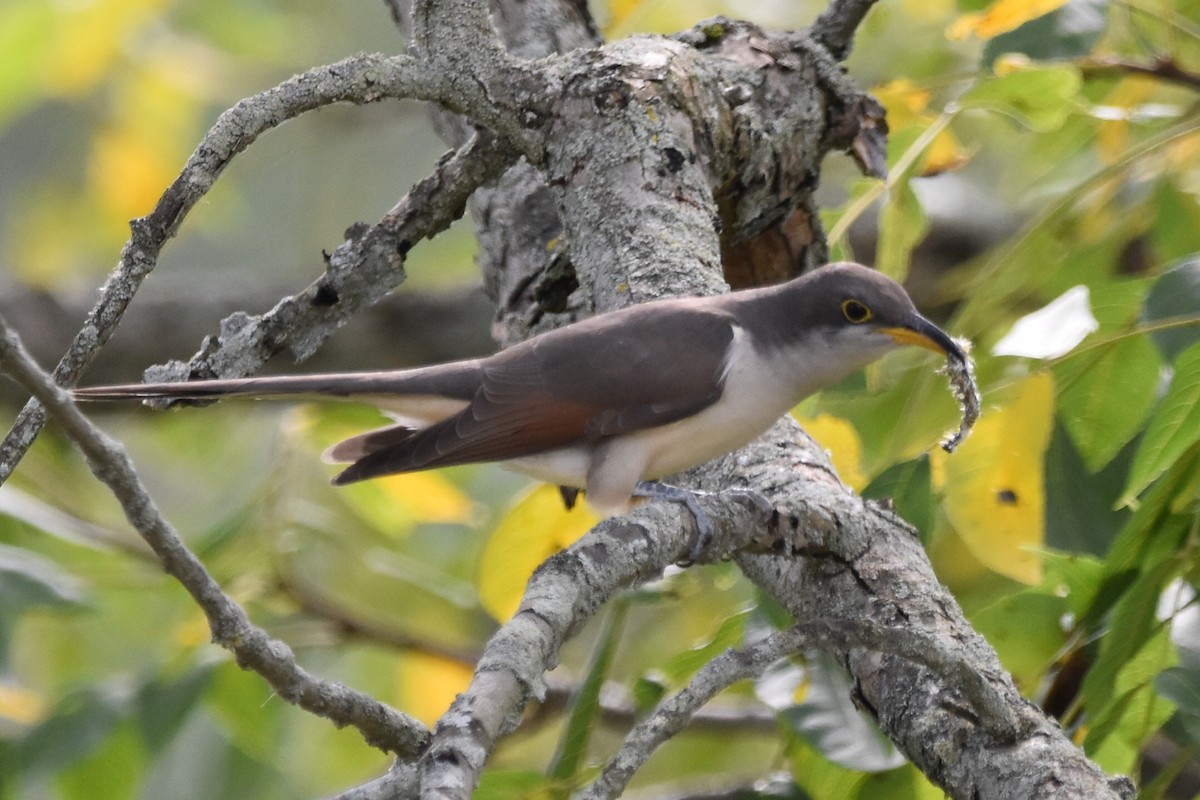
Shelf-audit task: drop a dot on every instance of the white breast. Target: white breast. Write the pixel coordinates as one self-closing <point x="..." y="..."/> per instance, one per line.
<point x="759" y="389"/>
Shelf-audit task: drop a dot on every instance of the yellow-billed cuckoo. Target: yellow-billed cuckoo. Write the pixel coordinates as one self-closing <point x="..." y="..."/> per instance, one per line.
<point x="613" y="402"/>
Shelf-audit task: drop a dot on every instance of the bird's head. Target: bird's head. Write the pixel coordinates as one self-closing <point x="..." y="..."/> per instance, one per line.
<point x="868" y="313"/>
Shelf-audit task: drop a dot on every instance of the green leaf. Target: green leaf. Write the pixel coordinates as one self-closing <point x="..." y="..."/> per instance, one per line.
<point x="1112" y="586"/>
<point x="902" y="783"/>
<point x="585" y="704"/>
<point x="117" y="766"/>
<point x="1174" y="428"/>
<point x="730" y="634"/>
<point x="826" y="717"/>
<point x="512" y="785"/>
<point x="1080" y="514"/>
<point x="243" y="704"/>
<point x="902" y="226"/>
<point x="25" y="28"/>
<point x="1124" y="653"/>
<point x="1119" y="728"/>
<point x="1077" y="579"/>
<point x="648" y="691"/>
<point x="908" y="486"/>
<point x="1176" y="296"/>
<point x="1181" y="686"/>
<point x="77" y="726"/>
<point x="1040" y="99"/>
<point x="1175" y="220"/>
<point x="1154" y="531"/>
<point x="819" y="777"/>
<point x="1026" y="631"/>
<point x="1106" y="395"/>
<point x="28" y="580"/>
<point x="163" y="705"/>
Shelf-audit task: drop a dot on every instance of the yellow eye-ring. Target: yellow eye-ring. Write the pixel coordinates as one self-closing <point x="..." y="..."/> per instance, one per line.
<point x="855" y="311"/>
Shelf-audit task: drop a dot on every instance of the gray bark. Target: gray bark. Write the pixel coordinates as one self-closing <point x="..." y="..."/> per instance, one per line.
<point x="635" y="222"/>
<point x="648" y="167"/>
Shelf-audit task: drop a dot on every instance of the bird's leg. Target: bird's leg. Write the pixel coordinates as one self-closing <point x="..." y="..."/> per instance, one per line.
<point x="570" y="496"/>
<point x="653" y="490"/>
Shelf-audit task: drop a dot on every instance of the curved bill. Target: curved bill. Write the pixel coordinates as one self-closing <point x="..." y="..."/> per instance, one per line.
<point x="921" y="332"/>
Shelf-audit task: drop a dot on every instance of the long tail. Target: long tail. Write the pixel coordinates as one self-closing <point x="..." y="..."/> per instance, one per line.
<point x="457" y="381"/>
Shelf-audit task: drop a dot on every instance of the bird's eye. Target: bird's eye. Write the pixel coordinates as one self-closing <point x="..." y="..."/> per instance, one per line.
<point x="855" y="311"/>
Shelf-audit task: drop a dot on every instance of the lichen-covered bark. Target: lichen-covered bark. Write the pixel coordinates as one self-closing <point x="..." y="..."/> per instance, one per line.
<point x="670" y="161"/>
<point x="645" y="168"/>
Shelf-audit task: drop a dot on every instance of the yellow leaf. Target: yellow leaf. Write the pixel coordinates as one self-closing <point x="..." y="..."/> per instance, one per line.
<point x="21" y="705"/>
<point x="193" y="632"/>
<point x="52" y="227"/>
<point x="426" y="684"/>
<point x="535" y="528"/>
<point x="993" y="488"/>
<point x="945" y="154"/>
<point x="394" y="503"/>
<point x="842" y="442"/>
<point x="955" y="563"/>
<point x="620" y="10"/>
<point x="1000" y="17"/>
<point x="128" y="170"/>
<point x="430" y="497"/>
<point x="1112" y="134"/>
<point x="906" y="105"/>
<point x="90" y="37"/>
<point x="904" y="102"/>
<point x="1010" y="63"/>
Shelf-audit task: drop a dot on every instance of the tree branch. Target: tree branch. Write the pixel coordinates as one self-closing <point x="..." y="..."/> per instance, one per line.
<point x="859" y="563"/>
<point x="456" y="40"/>
<point x="253" y="649"/>
<point x="835" y="28"/>
<point x="562" y="594"/>
<point x="1166" y="69"/>
<point x="659" y="152"/>
<point x="410" y="328"/>
<point x="673" y="715"/>
<point x="361" y="79"/>
<point x="360" y="271"/>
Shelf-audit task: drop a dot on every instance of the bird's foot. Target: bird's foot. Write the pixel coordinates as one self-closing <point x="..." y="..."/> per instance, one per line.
<point x="754" y="500"/>
<point x="688" y="498"/>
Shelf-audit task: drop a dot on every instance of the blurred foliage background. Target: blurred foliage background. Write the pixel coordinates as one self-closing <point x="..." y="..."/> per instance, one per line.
<point x="1044" y="201"/>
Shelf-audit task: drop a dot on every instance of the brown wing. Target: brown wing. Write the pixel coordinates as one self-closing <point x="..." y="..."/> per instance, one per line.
<point x="639" y="368"/>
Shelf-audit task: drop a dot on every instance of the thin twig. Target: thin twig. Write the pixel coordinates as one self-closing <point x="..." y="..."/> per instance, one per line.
<point x="313" y="602"/>
<point x="836" y="26"/>
<point x="673" y="714"/>
<point x="361" y="79"/>
<point x="1166" y="69"/>
<point x="381" y="726"/>
<point x="360" y="271"/>
<point x="734" y="665"/>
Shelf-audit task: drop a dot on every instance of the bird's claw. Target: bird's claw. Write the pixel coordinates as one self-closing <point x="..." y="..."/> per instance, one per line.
<point x="688" y="498"/>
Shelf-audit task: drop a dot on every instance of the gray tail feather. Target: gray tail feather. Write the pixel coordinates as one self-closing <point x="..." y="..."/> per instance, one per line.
<point x="455" y="380"/>
<point x="236" y="387"/>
